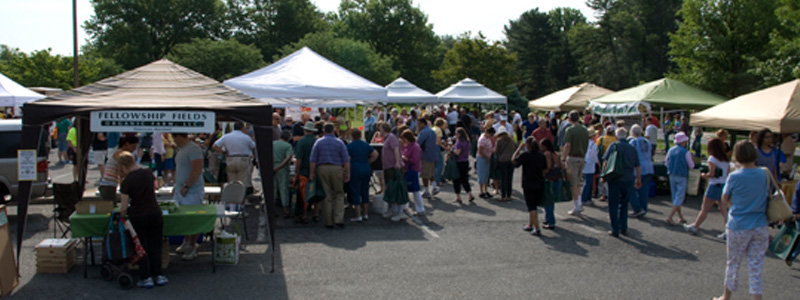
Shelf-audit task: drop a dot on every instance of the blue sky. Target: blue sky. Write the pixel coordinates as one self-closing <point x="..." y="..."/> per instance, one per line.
<point x="39" y="24"/>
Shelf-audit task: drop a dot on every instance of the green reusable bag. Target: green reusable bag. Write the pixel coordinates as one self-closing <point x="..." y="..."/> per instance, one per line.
<point x="396" y="187"/>
<point x="784" y="245"/>
<point x="314" y="191"/>
<point x="451" y="169"/>
<point x="614" y="168"/>
<point x="556" y="191"/>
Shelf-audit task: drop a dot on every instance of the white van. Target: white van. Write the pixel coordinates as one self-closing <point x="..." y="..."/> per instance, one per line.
<point x="10" y="136"/>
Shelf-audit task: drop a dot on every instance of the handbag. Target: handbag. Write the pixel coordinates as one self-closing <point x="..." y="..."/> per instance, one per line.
<point x="777" y="208"/>
<point x="784" y="245"/>
<point x="314" y="191"/>
<point x="613" y="168"/>
<point x="117" y="243"/>
<point x="556" y="191"/>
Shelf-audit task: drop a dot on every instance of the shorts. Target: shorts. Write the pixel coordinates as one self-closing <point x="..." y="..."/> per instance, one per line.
<point x="62" y="142"/>
<point x="100" y="157"/>
<point x="428" y="169"/>
<point x="169" y="164"/>
<point x="714" y="191"/>
<point x="533" y="198"/>
<point x="412" y="180"/>
<point x="677" y="185"/>
<point x="194" y="196"/>
<point x="575" y="170"/>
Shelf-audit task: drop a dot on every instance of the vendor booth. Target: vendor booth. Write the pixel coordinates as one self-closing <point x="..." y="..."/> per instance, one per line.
<point x="664" y="93"/>
<point x="575" y="97"/>
<point x="14" y="95"/>
<point x="160" y="96"/>
<point x="470" y="91"/>
<point x="776" y="108"/>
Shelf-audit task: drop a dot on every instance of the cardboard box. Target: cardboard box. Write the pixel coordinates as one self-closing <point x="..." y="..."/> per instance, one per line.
<point x="94" y="207"/>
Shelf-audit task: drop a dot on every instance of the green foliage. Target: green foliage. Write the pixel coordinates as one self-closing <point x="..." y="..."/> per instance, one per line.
<point x="137" y="32"/>
<point x="628" y="44"/>
<point x="489" y="64"/>
<point x="271" y="24"/>
<point x="540" y="41"/>
<point x="718" y="42"/>
<point x="220" y="60"/>
<point x="783" y="63"/>
<point x="41" y="68"/>
<point x="358" y="57"/>
<point x="395" y="29"/>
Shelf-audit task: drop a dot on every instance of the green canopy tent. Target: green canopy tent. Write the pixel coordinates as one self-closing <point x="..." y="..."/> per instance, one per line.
<point x="665" y="93"/>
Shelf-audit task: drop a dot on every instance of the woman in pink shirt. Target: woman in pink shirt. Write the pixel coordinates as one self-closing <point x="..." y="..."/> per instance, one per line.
<point x="483" y="159"/>
<point x="412" y="155"/>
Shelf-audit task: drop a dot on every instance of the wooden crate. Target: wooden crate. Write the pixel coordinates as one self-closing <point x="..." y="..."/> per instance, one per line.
<point x="55" y="256"/>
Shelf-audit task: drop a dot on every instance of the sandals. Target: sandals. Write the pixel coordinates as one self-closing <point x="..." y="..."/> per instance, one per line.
<point x="670" y="222"/>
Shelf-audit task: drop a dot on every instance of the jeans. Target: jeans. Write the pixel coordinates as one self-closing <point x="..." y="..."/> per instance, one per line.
<point x="482" y="166"/>
<point x="586" y="192"/>
<point x="506" y="177"/>
<point x="618" y="194"/>
<point x="549" y="214"/>
<point x="437" y="176"/>
<point x="639" y="198"/>
<point x="666" y="139"/>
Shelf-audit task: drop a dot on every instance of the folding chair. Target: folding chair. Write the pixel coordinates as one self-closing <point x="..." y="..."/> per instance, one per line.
<point x="65" y="196"/>
<point x="232" y="197"/>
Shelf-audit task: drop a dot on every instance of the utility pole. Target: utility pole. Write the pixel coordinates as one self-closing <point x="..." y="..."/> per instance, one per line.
<point x="75" y="81"/>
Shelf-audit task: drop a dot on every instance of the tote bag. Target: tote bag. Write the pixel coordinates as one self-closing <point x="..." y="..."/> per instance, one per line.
<point x="777" y="208"/>
<point x="784" y="245"/>
<point x="314" y="191"/>
<point x="614" y="168"/>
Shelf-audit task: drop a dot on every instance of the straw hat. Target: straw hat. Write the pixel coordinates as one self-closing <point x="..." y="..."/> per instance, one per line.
<point x="310" y="127"/>
<point x="501" y="130"/>
<point x="592" y="132"/>
<point x="681" y="137"/>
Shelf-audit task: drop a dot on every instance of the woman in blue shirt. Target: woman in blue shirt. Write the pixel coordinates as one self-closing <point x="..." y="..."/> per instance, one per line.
<point x="361" y="156"/>
<point x="746" y="192"/>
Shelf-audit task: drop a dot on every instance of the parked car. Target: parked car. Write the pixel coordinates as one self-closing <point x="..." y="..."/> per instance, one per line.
<point x="10" y="137"/>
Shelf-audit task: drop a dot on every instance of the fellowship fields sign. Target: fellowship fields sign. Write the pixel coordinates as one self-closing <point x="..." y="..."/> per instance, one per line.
<point x="152" y="120"/>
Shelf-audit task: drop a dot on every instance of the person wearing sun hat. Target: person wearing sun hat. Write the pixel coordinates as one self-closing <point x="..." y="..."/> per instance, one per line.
<point x="504" y="148"/>
<point x="679" y="162"/>
<point x="302" y="156"/>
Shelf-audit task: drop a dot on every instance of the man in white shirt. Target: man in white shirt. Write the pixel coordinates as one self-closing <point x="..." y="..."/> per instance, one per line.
<point x="238" y="148"/>
<point x="452" y="120"/>
<point x="504" y="123"/>
<point x="651" y="134"/>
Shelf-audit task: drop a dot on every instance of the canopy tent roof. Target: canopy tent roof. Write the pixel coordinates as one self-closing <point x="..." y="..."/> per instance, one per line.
<point x="161" y="85"/>
<point x="575" y="97"/>
<point x="305" y="74"/>
<point x="470" y="91"/>
<point x="13" y="94"/>
<point x="776" y="108"/>
<point x="665" y="92"/>
<point x="316" y="103"/>
<point x="158" y="85"/>
<point x="403" y="91"/>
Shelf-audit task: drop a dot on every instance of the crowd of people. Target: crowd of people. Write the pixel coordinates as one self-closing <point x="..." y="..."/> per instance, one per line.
<point x="413" y="152"/>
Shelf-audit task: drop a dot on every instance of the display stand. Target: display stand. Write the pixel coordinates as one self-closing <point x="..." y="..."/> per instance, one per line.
<point x="9" y="278"/>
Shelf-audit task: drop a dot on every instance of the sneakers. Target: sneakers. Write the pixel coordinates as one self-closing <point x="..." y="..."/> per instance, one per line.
<point x="388" y="214"/>
<point x="146" y="283"/>
<point x="398" y="217"/>
<point x="365" y="217"/>
<point x="690" y="229"/>
<point x="357" y="219"/>
<point x="575" y="212"/>
<point x="426" y="194"/>
<point x="190" y="254"/>
<point x="435" y="191"/>
<point x="536" y="232"/>
<point x="722" y="236"/>
<point x="183" y="248"/>
<point x="527" y="228"/>
<point x="161" y="280"/>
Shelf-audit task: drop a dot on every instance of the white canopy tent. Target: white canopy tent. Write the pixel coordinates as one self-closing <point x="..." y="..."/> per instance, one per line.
<point x="470" y="91"/>
<point x="12" y="94"/>
<point x="305" y="74"/>
<point x="286" y="102"/>
<point x="403" y="91"/>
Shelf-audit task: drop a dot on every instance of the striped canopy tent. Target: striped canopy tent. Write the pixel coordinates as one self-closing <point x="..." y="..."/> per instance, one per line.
<point x="161" y="85"/>
<point x="575" y="97"/>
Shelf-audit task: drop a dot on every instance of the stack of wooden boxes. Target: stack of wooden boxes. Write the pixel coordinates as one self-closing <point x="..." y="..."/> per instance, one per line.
<point x="55" y="256"/>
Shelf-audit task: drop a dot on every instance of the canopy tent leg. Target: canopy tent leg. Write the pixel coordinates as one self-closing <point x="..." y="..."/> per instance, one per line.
<point x="264" y="159"/>
<point x="84" y="141"/>
<point x="29" y="139"/>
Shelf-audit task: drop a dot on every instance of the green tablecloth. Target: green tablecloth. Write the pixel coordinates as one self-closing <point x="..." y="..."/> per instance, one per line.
<point x="188" y="219"/>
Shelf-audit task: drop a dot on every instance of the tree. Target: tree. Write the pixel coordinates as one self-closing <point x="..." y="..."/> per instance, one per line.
<point x="719" y="41"/>
<point x="783" y="63"/>
<point x="358" y="57"/>
<point x="41" y="68"/>
<point x="220" y="60"/>
<point x="271" y="24"/>
<point x="540" y="41"/>
<point x="395" y="29"/>
<point x="137" y="32"/>
<point x="490" y="64"/>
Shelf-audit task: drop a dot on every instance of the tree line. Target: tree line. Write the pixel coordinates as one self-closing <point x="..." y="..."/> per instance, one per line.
<point x="728" y="47"/>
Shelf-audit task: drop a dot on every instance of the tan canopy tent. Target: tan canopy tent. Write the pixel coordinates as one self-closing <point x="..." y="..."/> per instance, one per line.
<point x="575" y="97"/>
<point x="161" y="85"/>
<point x="776" y="108"/>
